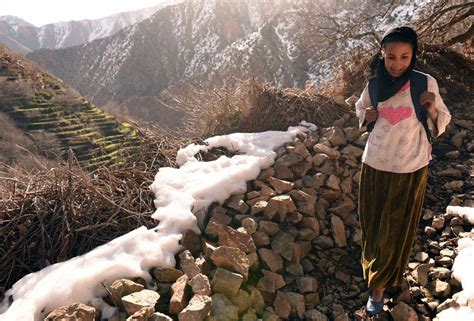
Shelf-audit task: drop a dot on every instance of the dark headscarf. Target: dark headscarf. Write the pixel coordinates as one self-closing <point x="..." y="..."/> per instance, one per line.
<point x="389" y="86"/>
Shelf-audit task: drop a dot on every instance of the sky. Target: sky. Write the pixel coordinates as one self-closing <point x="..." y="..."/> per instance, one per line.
<point x="49" y="11"/>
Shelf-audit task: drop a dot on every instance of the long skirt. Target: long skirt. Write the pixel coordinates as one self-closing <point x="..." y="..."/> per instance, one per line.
<point x="389" y="213"/>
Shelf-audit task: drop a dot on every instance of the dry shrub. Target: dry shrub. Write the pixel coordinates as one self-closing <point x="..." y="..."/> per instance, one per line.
<point x="255" y="107"/>
<point x="56" y="214"/>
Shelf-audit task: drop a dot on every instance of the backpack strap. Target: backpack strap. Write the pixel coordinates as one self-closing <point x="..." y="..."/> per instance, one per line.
<point x="418" y="85"/>
<point x="373" y="93"/>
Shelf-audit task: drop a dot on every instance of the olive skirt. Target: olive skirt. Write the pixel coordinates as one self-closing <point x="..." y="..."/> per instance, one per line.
<point x="389" y="213"/>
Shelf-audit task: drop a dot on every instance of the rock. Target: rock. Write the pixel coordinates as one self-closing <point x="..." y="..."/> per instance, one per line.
<point x="319" y="159"/>
<point x="440" y="288"/>
<point x="256" y="298"/>
<point x="217" y="218"/>
<point x="438" y="223"/>
<point x="241" y="300"/>
<point x="138" y="300"/>
<point x="179" y="295"/>
<point x="260" y="239"/>
<point x="403" y="312"/>
<point x="440" y="273"/>
<point x="282" y="305"/>
<point x="421" y="274"/>
<point x="323" y="242"/>
<point x="250" y="225"/>
<point x="332" y="153"/>
<point x="307" y="284"/>
<point x="279" y="206"/>
<point x="258" y="207"/>
<point x="123" y="287"/>
<point x="269" y="228"/>
<point x="250" y="315"/>
<point x="450" y="172"/>
<point x="222" y="309"/>
<point x="166" y="275"/>
<point x="188" y="265"/>
<point x="158" y="316"/>
<point x="281" y="186"/>
<point x="197" y="309"/>
<point x="283" y="172"/>
<point x="297" y="303"/>
<point x="76" y="311"/>
<point x="314" y="315"/>
<point x="191" y="241"/>
<point x="289" y="160"/>
<point x="233" y="238"/>
<point x="271" y="260"/>
<point x="352" y="151"/>
<point x="282" y="244"/>
<point x="333" y="183"/>
<point x="236" y="202"/>
<point x="200" y="284"/>
<point x="142" y="315"/>
<point x="226" y="282"/>
<point x="231" y="258"/>
<point x="421" y="256"/>
<point x="338" y="231"/>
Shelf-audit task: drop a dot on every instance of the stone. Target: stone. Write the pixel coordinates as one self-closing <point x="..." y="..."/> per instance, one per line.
<point x="142" y="315"/>
<point x="279" y="206"/>
<point x="258" y="207"/>
<point x="231" y="258"/>
<point x="265" y="174"/>
<point x="250" y="225"/>
<point x="289" y="160"/>
<point x="282" y="244"/>
<point x="324" y="242"/>
<point x="166" y="274"/>
<point x="283" y="172"/>
<point x="271" y="260"/>
<point x="338" y="231"/>
<point x="319" y="159"/>
<point x="311" y="223"/>
<point x="250" y="315"/>
<point x="337" y="136"/>
<point x="421" y="274"/>
<point x="217" y="218"/>
<point x="226" y="282"/>
<point x="158" y="316"/>
<point x="307" y="284"/>
<point x="277" y="278"/>
<point x="314" y="315"/>
<point x="297" y="303"/>
<point x="258" y="303"/>
<point x="440" y="273"/>
<point x="236" y="202"/>
<point x="233" y="238"/>
<point x="440" y="288"/>
<point x="282" y="305"/>
<point x="123" y="287"/>
<point x="191" y="241"/>
<point x="403" y="312"/>
<point x="197" y="310"/>
<point x="222" y="309"/>
<point x="138" y="300"/>
<point x="76" y="311"/>
<point x="332" y="153"/>
<point x="352" y="151"/>
<point x="260" y="239"/>
<point x="241" y="300"/>
<point x="438" y="223"/>
<point x="179" y="295"/>
<point x="200" y="284"/>
<point x="268" y="227"/>
<point x="187" y="264"/>
<point x="281" y="186"/>
<point x="421" y="256"/>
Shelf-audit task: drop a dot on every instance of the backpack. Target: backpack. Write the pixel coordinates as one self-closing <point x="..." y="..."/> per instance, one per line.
<point x="418" y="85"/>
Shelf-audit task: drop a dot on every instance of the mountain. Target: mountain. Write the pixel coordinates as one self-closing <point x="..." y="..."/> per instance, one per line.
<point x="24" y="37"/>
<point x="42" y="115"/>
<point x="205" y="41"/>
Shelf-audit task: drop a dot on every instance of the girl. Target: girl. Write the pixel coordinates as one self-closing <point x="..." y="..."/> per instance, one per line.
<point x="395" y="161"/>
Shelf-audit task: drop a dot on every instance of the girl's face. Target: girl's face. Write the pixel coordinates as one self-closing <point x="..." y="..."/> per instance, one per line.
<point x="397" y="56"/>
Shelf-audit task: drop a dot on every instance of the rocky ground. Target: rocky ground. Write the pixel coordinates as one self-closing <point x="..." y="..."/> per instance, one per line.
<point x="288" y="249"/>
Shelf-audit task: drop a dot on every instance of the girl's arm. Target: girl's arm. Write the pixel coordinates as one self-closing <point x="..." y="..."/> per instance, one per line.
<point x="438" y="114"/>
<point x="361" y="106"/>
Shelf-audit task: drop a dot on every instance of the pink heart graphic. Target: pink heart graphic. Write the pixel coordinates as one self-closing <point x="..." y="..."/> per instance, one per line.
<point x="395" y="115"/>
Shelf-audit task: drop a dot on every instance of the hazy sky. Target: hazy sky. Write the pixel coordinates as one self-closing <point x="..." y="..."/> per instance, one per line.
<point x="40" y="12"/>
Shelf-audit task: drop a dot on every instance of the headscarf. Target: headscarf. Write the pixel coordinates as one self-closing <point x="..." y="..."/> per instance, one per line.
<point x="387" y="85"/>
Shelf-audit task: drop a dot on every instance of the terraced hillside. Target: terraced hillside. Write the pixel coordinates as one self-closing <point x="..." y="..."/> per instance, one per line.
<point x="39" y="103"/>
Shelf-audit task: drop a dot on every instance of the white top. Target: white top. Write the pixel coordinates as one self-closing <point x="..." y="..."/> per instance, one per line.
<point x="398" y="142"/>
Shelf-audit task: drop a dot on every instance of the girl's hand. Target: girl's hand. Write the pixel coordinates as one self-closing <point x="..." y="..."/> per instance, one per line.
<point x="371" y="114"/>
<point x="427" y="99"/>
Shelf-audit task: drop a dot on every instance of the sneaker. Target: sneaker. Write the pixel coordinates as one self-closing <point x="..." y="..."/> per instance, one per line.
<point x="374" y="307"/>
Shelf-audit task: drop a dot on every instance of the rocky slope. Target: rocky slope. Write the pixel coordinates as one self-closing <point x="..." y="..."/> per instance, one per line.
<point x="289" y="247"/>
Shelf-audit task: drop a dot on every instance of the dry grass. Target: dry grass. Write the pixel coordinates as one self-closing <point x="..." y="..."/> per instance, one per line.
<point x="63" y="212"/>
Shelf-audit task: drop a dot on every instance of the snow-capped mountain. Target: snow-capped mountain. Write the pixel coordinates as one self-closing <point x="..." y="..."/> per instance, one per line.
<point x="212" y="40"/>
<point x="24" y="37"/>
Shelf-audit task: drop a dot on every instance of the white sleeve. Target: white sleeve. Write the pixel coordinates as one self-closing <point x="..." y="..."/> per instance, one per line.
<point x="444" y="117"/>
<point x="362" y="104"/>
